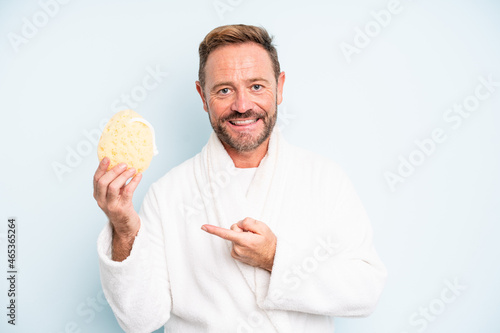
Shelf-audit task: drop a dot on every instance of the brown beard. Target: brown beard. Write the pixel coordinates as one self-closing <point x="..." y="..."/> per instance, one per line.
<point x="244" y="142"/>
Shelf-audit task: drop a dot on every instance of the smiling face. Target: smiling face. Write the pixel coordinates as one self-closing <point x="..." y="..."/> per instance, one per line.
<point x="241" y="95"/>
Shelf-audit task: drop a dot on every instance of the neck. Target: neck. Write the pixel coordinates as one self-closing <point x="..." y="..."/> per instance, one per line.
<point x="247" y="159"/>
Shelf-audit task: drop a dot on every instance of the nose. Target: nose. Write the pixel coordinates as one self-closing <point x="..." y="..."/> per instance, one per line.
<point x="242" y="102"/>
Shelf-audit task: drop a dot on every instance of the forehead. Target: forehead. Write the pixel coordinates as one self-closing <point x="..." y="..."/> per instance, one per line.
<point x="234" y="61"/>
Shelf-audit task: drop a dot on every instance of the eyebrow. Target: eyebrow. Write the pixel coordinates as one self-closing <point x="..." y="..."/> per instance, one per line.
<point x="229" y="83"/>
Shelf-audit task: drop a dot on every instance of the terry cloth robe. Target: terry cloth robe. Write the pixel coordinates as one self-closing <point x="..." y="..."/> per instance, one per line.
<point x="184" y="278"/>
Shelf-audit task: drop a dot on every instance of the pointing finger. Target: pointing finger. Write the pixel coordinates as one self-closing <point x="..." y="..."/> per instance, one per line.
<point x="230" y="235"/>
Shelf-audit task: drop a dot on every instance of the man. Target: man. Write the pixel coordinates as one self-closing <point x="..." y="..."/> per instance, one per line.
<point x="250" y="235"/>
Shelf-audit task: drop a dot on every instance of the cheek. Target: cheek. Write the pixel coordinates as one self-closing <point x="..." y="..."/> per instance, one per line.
<point x="266" y="102"/>
<point x="219" y="107"/>
<point x="220" y="103"/>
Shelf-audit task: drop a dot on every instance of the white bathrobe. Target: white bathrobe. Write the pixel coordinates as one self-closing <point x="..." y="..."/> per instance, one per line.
<point x="179" y="276"/>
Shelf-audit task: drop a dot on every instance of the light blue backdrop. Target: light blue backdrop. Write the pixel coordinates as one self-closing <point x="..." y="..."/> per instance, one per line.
<point x="366" y="80"/>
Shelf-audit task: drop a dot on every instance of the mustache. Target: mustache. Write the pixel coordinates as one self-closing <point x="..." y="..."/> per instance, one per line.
<point x="247" y="114"/>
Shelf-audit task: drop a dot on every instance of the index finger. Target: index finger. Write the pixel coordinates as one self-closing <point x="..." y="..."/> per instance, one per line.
<point x="101" y="170"/>
<point x="230" y="235"/>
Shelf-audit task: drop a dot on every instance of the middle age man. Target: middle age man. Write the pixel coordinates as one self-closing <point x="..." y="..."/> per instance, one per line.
<point x="286" y="244"/>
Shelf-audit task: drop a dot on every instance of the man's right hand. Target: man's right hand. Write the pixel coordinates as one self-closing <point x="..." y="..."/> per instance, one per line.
<point x="115" y="200"/>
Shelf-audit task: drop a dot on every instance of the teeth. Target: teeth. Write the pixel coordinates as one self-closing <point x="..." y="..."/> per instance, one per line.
<point x="243" y="122"/>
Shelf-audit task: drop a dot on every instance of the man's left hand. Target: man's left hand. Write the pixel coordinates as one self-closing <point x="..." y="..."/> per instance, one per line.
<point x="253" y="242"/>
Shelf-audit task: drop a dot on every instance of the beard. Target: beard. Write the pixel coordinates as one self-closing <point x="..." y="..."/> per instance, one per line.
<point x="244" y="142"/>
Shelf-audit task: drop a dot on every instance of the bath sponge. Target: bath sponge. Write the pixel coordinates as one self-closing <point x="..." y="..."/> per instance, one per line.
<point x="128" y="138"/>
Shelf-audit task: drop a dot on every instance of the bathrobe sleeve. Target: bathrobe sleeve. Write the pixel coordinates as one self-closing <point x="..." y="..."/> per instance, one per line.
<point x="338" y="273"/>
<point x="137" y="289"/>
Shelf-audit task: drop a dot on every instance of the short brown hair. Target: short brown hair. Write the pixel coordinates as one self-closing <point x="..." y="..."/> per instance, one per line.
<point x="235" y="34"/>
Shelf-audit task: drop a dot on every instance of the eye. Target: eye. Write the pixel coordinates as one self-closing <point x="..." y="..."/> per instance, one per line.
<point x="224" y="91"/>
<point x="257" y="87"/>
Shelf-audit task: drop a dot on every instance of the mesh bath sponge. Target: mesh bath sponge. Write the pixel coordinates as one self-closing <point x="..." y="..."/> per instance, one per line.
<point x="128" y="138"/>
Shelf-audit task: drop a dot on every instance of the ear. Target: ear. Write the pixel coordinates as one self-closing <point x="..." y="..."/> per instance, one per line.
<point x="199" y="88"/>
<point x="281" y="82"/>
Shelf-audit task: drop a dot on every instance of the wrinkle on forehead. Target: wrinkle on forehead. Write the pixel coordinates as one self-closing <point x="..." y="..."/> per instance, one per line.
<point x="239" y="62"/>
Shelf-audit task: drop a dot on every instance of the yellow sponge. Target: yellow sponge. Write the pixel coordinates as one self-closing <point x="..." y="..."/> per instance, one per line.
<point x="128" y="138"/>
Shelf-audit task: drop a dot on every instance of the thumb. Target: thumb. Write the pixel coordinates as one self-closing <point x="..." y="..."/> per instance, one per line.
<point x="249" y="224"/>
<point x="236" y="228"/>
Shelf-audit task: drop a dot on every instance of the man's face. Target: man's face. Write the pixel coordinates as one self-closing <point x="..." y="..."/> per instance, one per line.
<point x="241" y="95"/>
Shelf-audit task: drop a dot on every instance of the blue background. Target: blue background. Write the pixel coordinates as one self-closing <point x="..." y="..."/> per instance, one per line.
<point x="440" y="224"/>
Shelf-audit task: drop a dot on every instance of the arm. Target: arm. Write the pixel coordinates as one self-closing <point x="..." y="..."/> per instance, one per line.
<point x="115" y="200"/>
<point x="338" y="273"/>
<point x="132" y="263"/>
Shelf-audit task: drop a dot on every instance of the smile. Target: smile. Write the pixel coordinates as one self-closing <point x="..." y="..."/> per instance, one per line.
<point x="245" y="122"/>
